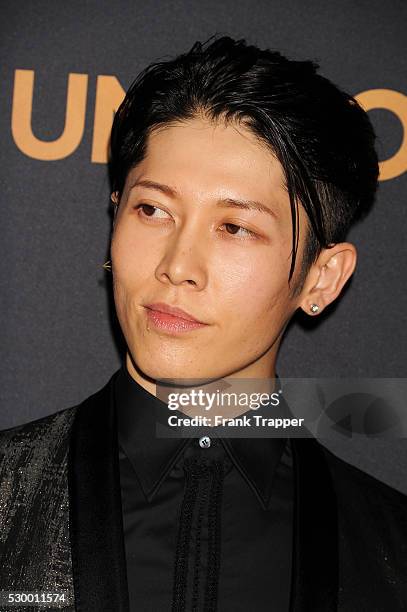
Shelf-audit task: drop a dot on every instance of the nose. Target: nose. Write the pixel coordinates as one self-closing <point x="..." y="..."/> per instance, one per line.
<point x="184" y="260"/>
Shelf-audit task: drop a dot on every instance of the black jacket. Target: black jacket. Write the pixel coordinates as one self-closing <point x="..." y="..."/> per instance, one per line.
<point x="61" y="519"/>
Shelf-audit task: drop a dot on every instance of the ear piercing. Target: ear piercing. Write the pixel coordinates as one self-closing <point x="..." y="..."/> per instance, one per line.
<point x="314" y="307"/>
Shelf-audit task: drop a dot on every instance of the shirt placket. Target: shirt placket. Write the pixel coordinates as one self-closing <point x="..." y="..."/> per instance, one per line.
<point x="198" y="550"/>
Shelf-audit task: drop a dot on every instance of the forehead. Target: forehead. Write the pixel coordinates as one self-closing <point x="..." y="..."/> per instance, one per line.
<point x="201" y="156"/>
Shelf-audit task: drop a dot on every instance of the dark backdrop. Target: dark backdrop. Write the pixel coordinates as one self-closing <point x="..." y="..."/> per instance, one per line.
<point x="58" y="337"/>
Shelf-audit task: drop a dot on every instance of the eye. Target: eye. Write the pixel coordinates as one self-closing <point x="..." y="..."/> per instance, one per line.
<point x="247" y="233"/>
<point x="150" y="209"/>
<point x="147" y="212"/>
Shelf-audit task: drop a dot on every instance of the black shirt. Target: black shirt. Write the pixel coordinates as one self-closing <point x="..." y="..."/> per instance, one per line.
<point x="205" y="528"/>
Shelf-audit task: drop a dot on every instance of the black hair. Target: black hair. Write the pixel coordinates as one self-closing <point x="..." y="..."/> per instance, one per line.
<point x="322" y="137"/>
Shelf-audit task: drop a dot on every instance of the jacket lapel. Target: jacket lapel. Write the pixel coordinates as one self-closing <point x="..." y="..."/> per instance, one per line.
<point x="314" y="583"/>
<point x="97" y="542"/>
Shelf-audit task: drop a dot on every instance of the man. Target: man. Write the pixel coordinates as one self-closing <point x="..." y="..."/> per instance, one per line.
<point x="221" y="161"/>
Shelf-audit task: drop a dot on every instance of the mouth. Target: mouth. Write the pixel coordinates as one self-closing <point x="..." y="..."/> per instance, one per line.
<point x="171" y="318"/>
<point x="175" y="311"/>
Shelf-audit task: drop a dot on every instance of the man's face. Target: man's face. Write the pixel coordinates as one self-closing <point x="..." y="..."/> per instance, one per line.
<point x="193" y="251"/>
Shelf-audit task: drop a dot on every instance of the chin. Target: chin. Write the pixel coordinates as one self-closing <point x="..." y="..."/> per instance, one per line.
<point x="163" y="369"/>
<point x="179" y="370"/>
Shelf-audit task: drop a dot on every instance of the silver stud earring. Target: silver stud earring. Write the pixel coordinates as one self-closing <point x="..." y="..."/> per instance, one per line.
<point x="314" y="307"/>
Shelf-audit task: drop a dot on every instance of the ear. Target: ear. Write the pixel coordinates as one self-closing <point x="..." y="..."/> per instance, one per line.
<point x="115" y="198"/>
<point x="328" y="276"/>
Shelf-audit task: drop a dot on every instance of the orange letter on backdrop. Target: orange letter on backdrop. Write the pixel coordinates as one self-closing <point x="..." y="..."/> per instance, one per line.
<point x="22" y="113"/>
<point x="395" y="102"/>
<point x="109" y="96"/>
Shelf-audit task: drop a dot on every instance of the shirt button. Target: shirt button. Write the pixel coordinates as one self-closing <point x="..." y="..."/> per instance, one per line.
<point x="205" y="442"/>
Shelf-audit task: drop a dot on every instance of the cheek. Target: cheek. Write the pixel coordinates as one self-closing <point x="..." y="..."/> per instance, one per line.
<point x="253" y="288"/>
<point x="133" y="258"/>
<point x="132" y="271"/>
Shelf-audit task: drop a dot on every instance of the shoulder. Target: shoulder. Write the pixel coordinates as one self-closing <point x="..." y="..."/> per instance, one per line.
<point x="362" y="488"/>
<point x="372" y="521"/>
<point x="48" y="432"/>
<point x="38" y="425"/>
<point x="25" y="444"/>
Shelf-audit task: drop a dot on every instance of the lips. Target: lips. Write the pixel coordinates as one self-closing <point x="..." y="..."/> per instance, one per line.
<point x="172" y="310"/>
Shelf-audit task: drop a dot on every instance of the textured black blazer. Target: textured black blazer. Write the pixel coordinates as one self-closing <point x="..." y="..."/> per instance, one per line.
<point x="61" y="519"/>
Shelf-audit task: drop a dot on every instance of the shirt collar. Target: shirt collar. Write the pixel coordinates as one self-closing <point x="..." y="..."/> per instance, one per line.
<point x="153" y="457"/>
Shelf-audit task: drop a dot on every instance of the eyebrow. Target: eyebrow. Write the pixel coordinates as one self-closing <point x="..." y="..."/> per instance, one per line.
<point x="223" y="202"/>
